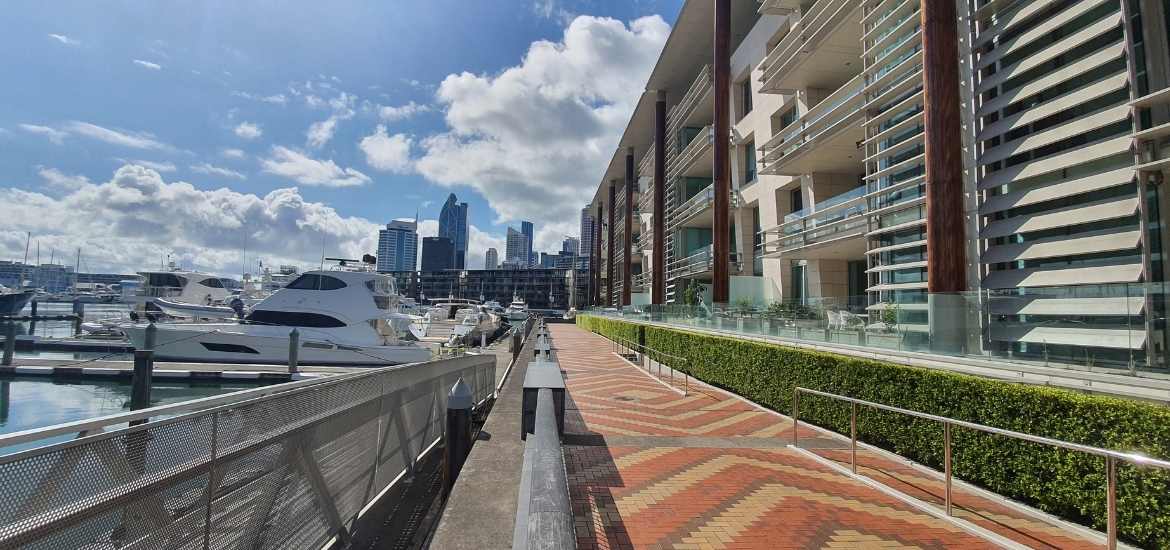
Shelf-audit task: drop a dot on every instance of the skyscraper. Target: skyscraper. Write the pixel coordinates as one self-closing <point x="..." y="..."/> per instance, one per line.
<point x="438" y="254"/>
<point x="398" y="246"/>
<point x="585" y="247"/>
<point x="570" y="246"/>
<point x="491" y="259"/>
<point x="526" y="229"/>
<point x="453" y="226"/>
<point x="517" y="250"/>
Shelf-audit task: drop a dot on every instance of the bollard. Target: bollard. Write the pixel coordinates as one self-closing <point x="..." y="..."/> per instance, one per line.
<point x="458" y="444"/>
<point x="9" y="342"/>
<point x="482" y="340"/>
<point x="150" y="336"/>
<point x="294" y="344"/>
<point x="78" y="315"/>
<point x="33" y="305"/>
<point x="140" y="385"/>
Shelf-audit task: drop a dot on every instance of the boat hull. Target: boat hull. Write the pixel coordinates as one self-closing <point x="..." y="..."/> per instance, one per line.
<point x="205" y="344"/>
<point x="12" y="303"/>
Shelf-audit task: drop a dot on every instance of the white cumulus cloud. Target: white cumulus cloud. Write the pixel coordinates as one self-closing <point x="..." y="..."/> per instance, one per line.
<point x="305" y="170"/>
<point x="136" y="218"/>
<point x="156" y="166"/>
<point x="388" y="153"/>
<point x="148" y="65"/>
<point x="400" y="112"/>
<point x="534" y="139"/>
<point x="59" y="179"/>
<point x="321" y="132"/>
<point x="248" y="130"/>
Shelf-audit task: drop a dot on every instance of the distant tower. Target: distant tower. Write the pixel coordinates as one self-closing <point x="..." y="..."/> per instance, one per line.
<point x="398" y="246"/>
<point x="526" y="229"/>
<point x="437" y="254"/>
<point x="517" y="250"/>
<point x="491" y="259"/>
<point x="453" y="225"/>
<point x="586" y="244"/>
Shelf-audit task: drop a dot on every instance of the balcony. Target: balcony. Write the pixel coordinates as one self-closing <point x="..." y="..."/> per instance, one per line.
<point x="698" y="263"/>
<point x="698" y="149"/>
<point x="778" y="7"/>
<point x="824" y="139"/>
<point x="696" y="211"/>
<point x="821" y="50"/>
<point x="827" y="231"/>
<point x="696" y="101"/>
<point x="646" y="165"/>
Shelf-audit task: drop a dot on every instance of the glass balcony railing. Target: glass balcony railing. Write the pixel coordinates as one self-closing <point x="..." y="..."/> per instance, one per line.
<point x="803" y="38"/>
<point x="1116" y="328"/>
<point x="702" y="85"/>
<point x="840" y="216"/>
<point x="698" y="262"/>
<point x="696" y="205"/>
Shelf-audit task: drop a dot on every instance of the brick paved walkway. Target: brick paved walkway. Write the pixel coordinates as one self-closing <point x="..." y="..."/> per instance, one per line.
<point x="649" y="468"/>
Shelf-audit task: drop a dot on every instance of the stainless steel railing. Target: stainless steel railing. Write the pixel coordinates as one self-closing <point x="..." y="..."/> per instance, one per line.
<point x="1111" y="456"/>
<point x="650" y="357"/>
<point x="292" y="465"/>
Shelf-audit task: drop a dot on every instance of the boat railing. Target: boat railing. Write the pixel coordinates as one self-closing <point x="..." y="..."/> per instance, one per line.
<point x="227" y="471"/>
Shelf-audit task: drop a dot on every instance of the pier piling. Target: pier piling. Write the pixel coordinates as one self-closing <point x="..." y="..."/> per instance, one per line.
<point x="78" y="315"/>
<point x="294" y="344"/>
<point x="141" y="382"/>
<point x="458" y="444"/>
<point x="150" y="336"/>
<point x="9" y="342"/>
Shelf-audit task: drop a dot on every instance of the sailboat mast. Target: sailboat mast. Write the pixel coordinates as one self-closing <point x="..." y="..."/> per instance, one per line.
<point x="24" y="264"/>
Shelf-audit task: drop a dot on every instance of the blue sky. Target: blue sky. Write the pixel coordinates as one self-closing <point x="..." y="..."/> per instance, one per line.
<point x="298" y="123"/>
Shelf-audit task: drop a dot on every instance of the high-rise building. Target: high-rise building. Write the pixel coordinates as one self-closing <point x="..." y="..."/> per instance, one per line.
<point x="587" y="228"/>
<point x="453" y="225"/>
<point x="526" y="229"/>
<point x="398" y="246"/>
<point x="438" y="254"/>
<point x="491" y="259"/>
<point x="517" y="250"/>
<point x="1034" y="174"/>
<point x="570" y="245"/>
<point x="548" y="260"/>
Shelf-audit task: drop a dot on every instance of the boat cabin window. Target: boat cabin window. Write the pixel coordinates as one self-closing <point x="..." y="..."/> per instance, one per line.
<point x="293" y="319"/>
<point x="212" y="283"/>
<point x="164" y="280"/>
<point x="312" y="281"/>
<point x="380" y="286"/>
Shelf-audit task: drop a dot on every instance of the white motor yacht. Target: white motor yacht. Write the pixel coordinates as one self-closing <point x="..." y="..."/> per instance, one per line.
<point x="471" y="323"/>
<point x="517" y="310"/>
<point x="178" y="286"/>
<point x="343" y="318"/>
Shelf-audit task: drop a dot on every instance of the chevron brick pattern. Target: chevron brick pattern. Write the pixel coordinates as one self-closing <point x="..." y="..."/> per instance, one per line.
<point x="651" y="468"/>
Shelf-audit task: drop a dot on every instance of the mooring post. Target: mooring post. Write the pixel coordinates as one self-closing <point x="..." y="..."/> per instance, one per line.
<point x="150" y="336"/>
<point x="33" y="305"/>
<point x="482" y="340"/>
<point x="9" y="342"/>
<point x="78" y="315"/>
<point x="140" y="385"/>
<point x="294" y="344"/>
<point x="458" y="444"/>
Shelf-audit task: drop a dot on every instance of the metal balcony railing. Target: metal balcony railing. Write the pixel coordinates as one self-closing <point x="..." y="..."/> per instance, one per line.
<point x="696" y="263"/>
<point x="838" y="111"/>
<point x="694" y="206"/>
<point x="703" y="84"/>
<point x="700" y="144"/>
<point x="646" y="165"/>
<point x="803" y="38"/>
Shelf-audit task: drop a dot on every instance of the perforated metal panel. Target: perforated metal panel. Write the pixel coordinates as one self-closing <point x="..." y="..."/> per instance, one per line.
<point x="288" y="470"/>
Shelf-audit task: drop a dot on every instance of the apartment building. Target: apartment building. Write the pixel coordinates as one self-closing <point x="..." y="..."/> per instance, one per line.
<point x="1015" y="212"/>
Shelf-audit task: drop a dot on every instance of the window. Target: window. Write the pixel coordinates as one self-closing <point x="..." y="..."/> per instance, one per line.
<point x="228" y="348"/>
<point x="311" y="281"/>
<point x="797" y="200"/>
<point x="293" y="319"/>
<point x="749" y="162"/>
<point x="212" y="283"/>
<point x="745" y="90"/>
<point x="164" y="280"/>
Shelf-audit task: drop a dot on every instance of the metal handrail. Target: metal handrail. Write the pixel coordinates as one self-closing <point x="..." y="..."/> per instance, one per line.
<point x="655" y="357"/>
<point x="1111" y="456"/>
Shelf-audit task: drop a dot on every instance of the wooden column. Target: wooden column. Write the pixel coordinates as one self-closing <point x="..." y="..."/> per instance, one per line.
<point x="609" y="297"/>
<point x="721" y="232"/>
<point x="658" y="277"/>
<point x="945" y="231"/>
<point x="597" y="256"/>
<point x="628" y="238"/>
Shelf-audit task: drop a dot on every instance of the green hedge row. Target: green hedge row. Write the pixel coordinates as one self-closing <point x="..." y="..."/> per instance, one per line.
<point x="1064" y="483"/>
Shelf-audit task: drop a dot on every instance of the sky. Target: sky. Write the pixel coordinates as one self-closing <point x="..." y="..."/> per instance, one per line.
<point x="220" y="133"/>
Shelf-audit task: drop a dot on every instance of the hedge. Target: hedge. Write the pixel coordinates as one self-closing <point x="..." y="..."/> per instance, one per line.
<point x="1065" y="483"/>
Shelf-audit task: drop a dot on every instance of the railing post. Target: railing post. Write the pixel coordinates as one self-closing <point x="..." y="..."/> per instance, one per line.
<point x="459" y="402"/>
<point x="1111" y="502"/>
<point x="9" y="342"/>
<point x="947" y="462"/>
<point x="853" y="435"/>
<point x="141" y="381"/>
<point x="795" y="416"/>
<point x="294" y="346"/>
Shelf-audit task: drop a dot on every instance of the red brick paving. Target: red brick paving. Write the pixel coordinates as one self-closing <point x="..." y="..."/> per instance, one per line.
<point x="710" y="471"/>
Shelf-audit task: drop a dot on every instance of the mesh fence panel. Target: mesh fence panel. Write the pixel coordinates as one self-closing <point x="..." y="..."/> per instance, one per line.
<point x="288" y="470"/>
